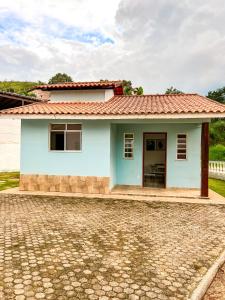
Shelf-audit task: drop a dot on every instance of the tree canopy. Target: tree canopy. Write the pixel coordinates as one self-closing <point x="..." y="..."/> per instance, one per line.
<point x="60" y="78"/>
<point x="217" y="95"/>
<point x="173" y="90"/>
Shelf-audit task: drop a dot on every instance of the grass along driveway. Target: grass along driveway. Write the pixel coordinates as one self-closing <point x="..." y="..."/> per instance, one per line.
<point x="217" y="186"/>
<point x="9" y="180"/>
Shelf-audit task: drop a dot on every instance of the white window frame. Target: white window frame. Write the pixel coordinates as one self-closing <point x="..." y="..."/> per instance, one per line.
<point x="124" y="143"/>
<point x="65" y="131"/>
<point x="182" y="159"/>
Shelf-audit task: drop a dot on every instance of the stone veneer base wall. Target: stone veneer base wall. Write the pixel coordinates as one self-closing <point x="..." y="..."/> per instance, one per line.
<point x="66" y="184"/>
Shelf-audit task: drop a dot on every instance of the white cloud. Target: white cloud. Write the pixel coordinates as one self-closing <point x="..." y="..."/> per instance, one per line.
<point x="156" y="43"/>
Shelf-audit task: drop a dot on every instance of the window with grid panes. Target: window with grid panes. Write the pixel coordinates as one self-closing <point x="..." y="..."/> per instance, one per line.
<point x="128" y="145"/>
<point x="181" y="146"/>
<point x="65" y="137"/>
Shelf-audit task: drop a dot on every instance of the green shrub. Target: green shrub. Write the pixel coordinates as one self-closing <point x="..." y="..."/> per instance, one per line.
<point x="217" y="152"/>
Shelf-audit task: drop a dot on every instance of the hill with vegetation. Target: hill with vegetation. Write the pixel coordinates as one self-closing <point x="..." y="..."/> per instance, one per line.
<point x="19" y="87"/>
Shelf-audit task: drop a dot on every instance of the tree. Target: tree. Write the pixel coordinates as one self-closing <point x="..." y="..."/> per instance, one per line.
<point x="217" y="95"/>
<point x="128" y="89"/>
<point x="173" y="90"/>
<point x="60" y="78"/>
<point x="138" y="90"/>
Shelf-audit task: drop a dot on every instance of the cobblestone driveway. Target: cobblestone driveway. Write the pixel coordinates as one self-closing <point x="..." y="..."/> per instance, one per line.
<point x="61" y="248"/>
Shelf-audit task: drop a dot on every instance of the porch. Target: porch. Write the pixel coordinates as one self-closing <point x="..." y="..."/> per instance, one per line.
<point x="159" y="159"/>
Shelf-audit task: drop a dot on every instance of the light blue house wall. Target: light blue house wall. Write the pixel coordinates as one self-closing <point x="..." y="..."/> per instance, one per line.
<point x="93" y="160"/>
<point x="102" y="152"/>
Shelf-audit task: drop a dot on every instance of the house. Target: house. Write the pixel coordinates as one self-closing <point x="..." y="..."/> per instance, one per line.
<point x="89" y="138"/>
<point x="10" y="131"/>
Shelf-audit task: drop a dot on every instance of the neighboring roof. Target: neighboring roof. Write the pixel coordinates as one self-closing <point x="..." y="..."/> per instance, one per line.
<point x="125" y="106"/>
<point x="79" y="85"/>
<point x="8" y="100"/>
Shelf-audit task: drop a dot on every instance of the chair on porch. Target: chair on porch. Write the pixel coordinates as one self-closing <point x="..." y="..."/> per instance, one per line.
<point x="154" y="175"/>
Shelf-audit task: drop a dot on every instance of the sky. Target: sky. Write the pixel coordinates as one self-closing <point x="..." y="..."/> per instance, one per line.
<point x="155" y="44"/>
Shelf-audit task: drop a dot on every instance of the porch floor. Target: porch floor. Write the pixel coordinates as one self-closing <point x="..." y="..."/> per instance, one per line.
<point x="155" y="192"/>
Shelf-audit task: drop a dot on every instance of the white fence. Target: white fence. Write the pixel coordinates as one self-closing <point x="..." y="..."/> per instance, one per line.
<point x="217" y="169"/>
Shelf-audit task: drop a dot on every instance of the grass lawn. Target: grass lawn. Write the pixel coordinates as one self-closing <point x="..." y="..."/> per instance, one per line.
<point x="217" y="186"/>
<point x="9" y="180"/>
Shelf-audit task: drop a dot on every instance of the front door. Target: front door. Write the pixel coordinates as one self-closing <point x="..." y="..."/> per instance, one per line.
<point x="154" y="159"/>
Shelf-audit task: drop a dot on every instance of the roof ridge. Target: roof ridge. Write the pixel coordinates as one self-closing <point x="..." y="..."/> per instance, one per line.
<point x="78" y="82"/>
<point x="77" y="102"/>
<point x="163" y="95"/>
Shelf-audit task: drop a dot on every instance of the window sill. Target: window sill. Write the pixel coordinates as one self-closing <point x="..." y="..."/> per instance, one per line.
<point x="65" y="151"/>
<point x="181" y="159"/>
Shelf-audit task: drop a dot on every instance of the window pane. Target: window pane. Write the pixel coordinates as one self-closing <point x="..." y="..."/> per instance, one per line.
<point x="129" y="136"/>
<point x="73" y="141"/>
<point x="128" y="146"/>
<point x="57" y="140"/>
<point x="181" y="156"/>
<point x="182" y="136"/>
<point x="180" y="151"/>
<point x="73" y="126"/>
<point x="183" y="141"/>
<point x="128" y="141"/>
<point x="181" y="146"/>
<point x="58" y="126"/>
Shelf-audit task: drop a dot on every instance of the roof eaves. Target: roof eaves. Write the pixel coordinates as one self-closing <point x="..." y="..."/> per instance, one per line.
<point x="19" y="96"/>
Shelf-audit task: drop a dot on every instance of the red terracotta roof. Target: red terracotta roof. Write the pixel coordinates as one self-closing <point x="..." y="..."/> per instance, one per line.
<point x="126" y="105"/>
<point x="79" y="85"/>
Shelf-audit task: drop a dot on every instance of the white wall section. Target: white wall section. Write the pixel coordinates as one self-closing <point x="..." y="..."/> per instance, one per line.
<point x="81" y="95"/>
<point x="9" y="145"/>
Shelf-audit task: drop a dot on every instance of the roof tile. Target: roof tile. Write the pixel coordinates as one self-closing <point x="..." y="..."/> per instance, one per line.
<point x="126" y="105"/>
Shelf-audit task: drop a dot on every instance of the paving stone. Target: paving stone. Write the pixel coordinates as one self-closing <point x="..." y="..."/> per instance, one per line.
<point x="70" y="248"/>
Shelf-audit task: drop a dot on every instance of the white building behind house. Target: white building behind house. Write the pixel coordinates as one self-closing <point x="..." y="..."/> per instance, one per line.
<point x="10" y="131"/>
